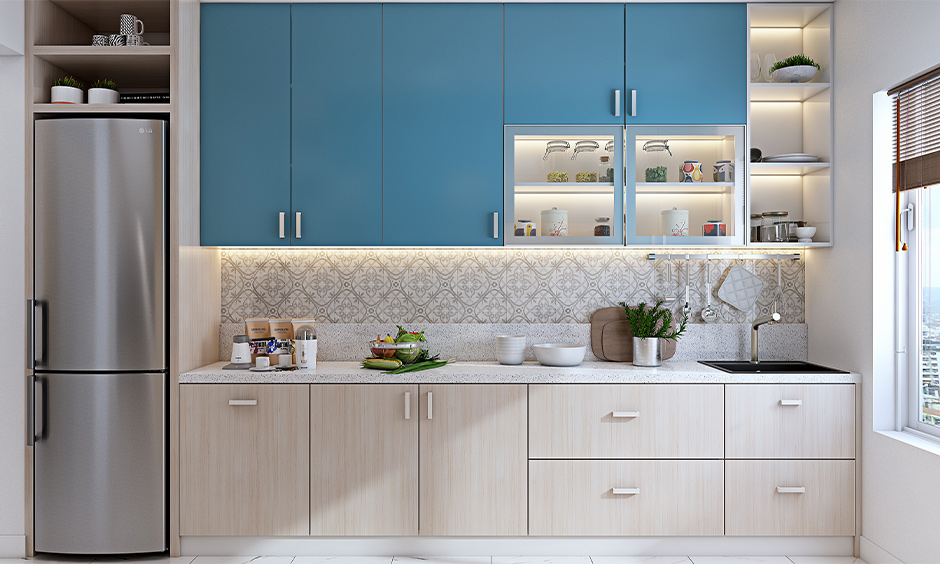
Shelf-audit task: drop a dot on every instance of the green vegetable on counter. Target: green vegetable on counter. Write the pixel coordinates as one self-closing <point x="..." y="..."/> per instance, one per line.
<point x="425" y="365"/>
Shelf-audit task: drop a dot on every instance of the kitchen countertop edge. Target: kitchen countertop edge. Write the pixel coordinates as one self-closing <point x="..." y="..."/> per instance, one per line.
<point x="494" y="373"/>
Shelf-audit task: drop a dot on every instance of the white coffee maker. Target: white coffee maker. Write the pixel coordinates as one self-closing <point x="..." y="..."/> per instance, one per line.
<point x="305" y="347"/>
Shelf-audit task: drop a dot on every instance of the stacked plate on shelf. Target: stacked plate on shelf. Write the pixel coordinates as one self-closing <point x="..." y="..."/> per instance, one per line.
<point x="791" y="158"/>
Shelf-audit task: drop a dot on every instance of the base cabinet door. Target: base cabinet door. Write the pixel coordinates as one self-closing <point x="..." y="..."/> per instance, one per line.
<point x="244" y="459"/>
<point x="790" y="497"/>
<point x="363" y="459"/>
<point x="473" y="460"/>
<point x="625" y="497"/>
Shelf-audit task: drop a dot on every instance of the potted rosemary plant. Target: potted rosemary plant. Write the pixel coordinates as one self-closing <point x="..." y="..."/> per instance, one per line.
<point x="103" y="91"/>
<point x="798" y="68"/>
<point x="650" y="325"/>
<point x="67" y="90"/>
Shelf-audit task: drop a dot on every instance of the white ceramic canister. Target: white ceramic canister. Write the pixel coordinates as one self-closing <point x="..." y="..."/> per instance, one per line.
<point x="554" y="222"/>
<point x="675" y="223"/>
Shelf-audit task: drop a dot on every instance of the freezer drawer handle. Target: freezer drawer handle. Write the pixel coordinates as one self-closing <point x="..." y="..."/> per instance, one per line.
<point x="625" y="414"/>
<point x="626" y="491"/>
<point x="243" y="402"/>
<point x="791" y="489"/>
<point x="791" y="402"/>
<point x="30" y="410"/>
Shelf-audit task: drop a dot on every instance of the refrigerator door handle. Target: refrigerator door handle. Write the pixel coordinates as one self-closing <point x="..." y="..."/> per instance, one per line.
<point x="30" y="410"/>
<point x="30" y="334"/>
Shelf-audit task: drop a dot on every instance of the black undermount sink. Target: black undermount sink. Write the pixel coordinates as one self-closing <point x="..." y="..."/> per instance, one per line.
<point x="770" y="366"/>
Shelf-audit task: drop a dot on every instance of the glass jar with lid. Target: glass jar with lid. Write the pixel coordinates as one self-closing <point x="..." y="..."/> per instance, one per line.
<point x="602" y="229"/>
<point x="774" y="226"/>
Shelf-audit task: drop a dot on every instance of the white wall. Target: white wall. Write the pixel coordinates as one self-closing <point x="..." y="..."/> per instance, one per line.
<point x="12" y="29"/>
<point x="849" y="310"/>
<point x="12" y="288"/>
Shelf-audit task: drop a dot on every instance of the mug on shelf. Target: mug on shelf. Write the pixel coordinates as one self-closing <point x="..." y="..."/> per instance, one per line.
<point x="116" y="39"/>
<point x="129" y="25"/>
<point x="99" y="40"/>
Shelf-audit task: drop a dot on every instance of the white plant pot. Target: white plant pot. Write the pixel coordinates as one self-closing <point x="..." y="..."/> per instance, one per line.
<point x="798" y="73"/>
<point x="103" y="96"/>
<point x="66" y="95"/>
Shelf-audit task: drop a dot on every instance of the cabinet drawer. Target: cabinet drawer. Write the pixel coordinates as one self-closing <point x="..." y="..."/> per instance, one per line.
<point x="626" y="421"/>
<point x="244" y="459"/>
<point x="790" y="497"/>
<point x="790" y="421"/>
<point x="626" y="497"/>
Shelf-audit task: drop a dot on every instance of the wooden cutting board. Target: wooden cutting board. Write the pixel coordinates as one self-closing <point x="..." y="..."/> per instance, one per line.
<point x="611" y="338"/>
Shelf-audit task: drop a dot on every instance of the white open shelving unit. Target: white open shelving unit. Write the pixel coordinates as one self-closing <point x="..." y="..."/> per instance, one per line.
<point x="788" y="118"/>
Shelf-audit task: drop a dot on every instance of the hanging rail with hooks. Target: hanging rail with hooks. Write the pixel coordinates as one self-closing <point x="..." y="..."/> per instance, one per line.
<point x="727" y="256"/>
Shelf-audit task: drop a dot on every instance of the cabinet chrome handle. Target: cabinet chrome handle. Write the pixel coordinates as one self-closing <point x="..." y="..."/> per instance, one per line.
<point x="625" y="414"/>
<point x="633" y="103"/>
<point x="626" y="491"/>
<point x="243" y="402"/>
<point x="616" y="103"/>
<point x="496" y="225"/>
<point x="407" y="405"/>
<point x="791" y="489"/>
<point x="791" y="402"/>
<point x="298" y="224"/>
<point x="30" y="410"/>
<point x="280" y="218"/>
<point x="430" y="406"/>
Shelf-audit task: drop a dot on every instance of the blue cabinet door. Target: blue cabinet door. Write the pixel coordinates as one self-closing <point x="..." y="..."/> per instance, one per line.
<point x="564" y="63"/>
<point x="442" y="124"/>
<point x="687" y="63"/>
<point x="245" y="123"/>
<point x="336" y="123"/>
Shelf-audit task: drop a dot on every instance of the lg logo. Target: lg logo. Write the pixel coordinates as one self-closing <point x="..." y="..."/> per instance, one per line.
<point x="145" y="130"/>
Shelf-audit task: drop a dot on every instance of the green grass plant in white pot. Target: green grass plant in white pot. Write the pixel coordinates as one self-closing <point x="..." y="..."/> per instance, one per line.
<point x="67" y="90"/>
<point x="798" y="68"/>
<point x="103" y="91"/>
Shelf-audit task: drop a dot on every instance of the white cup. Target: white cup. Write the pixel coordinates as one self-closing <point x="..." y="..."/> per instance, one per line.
<point x="262" y="362"/>
<point x="285" y="359"/>
<point x="510" y="348"/>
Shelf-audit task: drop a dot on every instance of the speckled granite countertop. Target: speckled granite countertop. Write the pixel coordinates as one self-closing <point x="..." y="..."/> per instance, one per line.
<point x="494" y="373"/>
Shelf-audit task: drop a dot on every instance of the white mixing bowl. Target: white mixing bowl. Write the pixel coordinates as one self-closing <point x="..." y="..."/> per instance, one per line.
<point x="560" y="354"/>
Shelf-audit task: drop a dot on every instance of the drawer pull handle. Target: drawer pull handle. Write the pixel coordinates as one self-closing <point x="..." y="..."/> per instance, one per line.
<point x="407" y="405"/>
<point x="791" y="489"/>
<point x="243" y="402"/>
<point x="430" y="406"/>
<point x="791" y="403"/>
<point x="626" y="491"/>
<point x="625" y="414"/>
<point x="280" y="222"/>
<point x="616" y="103"/>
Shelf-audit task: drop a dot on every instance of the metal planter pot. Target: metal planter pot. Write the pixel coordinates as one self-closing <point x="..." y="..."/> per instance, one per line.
<point x="647" y="351"/>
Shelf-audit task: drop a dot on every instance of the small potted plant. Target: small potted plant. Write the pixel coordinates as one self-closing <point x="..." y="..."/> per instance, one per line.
<point x="798" y="68"/>
<point x="650" y="325"/>
<point x="67" y="90"/>
<point x="103" y="91"/>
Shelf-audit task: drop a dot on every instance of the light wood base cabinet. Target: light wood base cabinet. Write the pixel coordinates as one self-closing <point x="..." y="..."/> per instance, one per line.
<point x="790" y="497"/>
<point x="626" y="497"/>
<point x="626" y="421"/>
<point x="473" y="460"/>
<point x="363" y="459"/>
<point x="244" y="459"/>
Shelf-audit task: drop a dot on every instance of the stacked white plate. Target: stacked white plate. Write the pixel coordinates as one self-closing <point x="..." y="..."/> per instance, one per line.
<point x="509" y="348"/>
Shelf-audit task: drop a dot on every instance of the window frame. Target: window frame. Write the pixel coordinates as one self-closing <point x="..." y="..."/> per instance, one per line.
<point x="910" y="314"/>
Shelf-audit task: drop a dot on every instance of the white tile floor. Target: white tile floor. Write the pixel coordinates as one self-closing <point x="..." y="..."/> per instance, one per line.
<point x="47" y="559"/>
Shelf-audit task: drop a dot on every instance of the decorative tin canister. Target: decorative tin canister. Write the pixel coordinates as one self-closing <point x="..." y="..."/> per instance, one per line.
<point x="524" y="228"/>
<point x="675" y="222"/>
<point x="690" y="171"/>
<point x="714" y="228"/>
<point x="724" y="171"/>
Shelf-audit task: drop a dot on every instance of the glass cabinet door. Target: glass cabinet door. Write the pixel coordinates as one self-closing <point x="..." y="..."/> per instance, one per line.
<point x="685" y="185"/>
<point x="563" y="185"/>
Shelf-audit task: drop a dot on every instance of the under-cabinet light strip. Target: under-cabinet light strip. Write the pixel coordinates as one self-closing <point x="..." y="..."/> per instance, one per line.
<point x="659" y="256"/>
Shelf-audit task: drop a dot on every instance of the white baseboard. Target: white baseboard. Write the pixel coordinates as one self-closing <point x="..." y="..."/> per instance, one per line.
<point x="518" y="546"/>
<point x="871" y="553"/>
<point x="12" y="546"/>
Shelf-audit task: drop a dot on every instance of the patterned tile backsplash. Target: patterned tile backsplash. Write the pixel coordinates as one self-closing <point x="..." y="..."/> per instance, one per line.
<point x="499" y="285"/>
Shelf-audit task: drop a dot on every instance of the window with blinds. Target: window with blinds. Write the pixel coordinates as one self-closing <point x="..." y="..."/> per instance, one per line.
<point x="917" y="132"/>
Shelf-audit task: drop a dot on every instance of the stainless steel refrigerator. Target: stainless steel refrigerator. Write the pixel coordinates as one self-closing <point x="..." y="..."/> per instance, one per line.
<point x="97" y="336"/>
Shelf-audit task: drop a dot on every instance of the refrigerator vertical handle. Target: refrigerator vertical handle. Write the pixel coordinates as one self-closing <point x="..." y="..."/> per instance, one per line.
<point x="30" y="334"/>
<point x="30" y="410"/>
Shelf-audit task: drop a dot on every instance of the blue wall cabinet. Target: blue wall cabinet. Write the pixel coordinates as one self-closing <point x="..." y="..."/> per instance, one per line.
<point x="442" y="124"/>
<point x="245" y="123"/>
<point x="336" y="121"/>
<point x="686" y="63"/>
<point x="564" y="63"/>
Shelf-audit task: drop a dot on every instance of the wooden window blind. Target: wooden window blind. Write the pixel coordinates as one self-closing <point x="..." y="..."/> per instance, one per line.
<point x="916" y="117"/>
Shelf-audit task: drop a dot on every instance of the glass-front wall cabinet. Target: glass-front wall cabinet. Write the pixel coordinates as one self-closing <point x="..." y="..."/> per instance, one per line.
<point x="685" y="185"/>
<point x="563" y="185"/>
